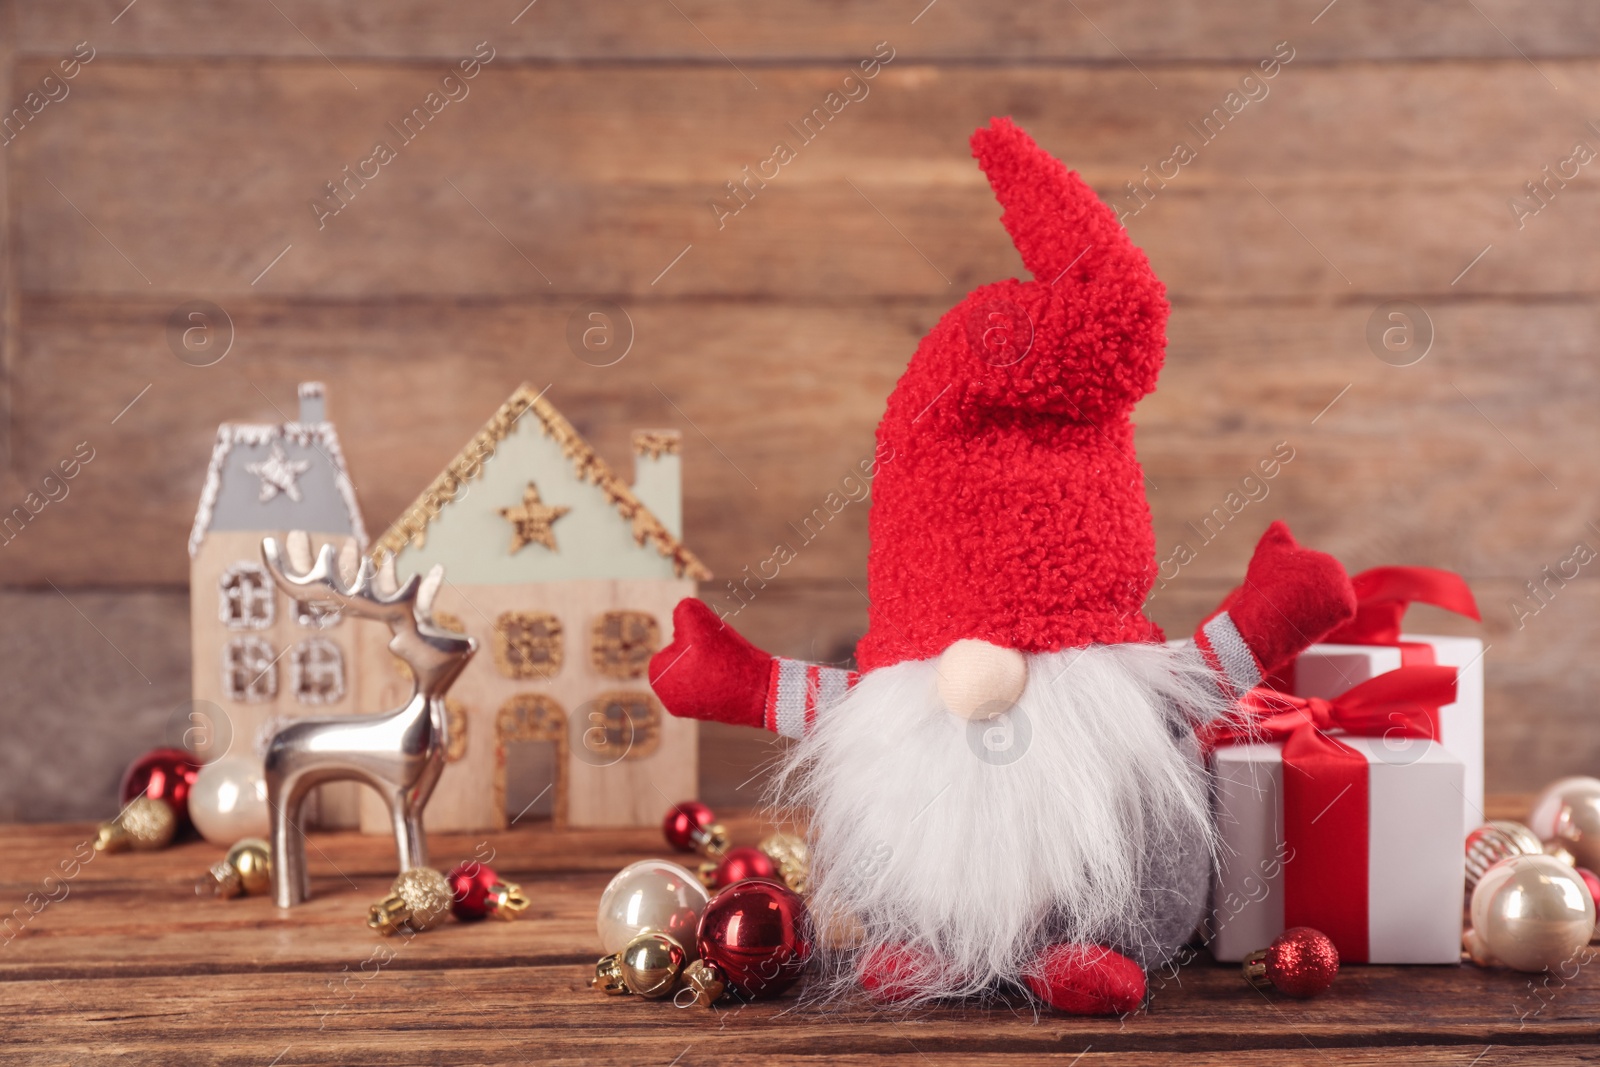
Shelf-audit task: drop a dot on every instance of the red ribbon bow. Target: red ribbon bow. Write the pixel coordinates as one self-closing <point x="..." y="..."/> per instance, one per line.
<point x="1326" y="815"/>
<point x="1384" y="593"/>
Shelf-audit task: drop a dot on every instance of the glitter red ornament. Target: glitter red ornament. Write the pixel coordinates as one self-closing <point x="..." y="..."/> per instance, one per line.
<point x="1300" y="963"/>
<point x="742" y="864"/>
<point x="163" y="774"/>
<point x="693" y="827"/>
<point x="478" y="893"/>
<point x="756" y="937"/>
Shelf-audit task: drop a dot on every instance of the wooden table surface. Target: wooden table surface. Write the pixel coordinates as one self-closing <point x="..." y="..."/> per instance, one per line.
<point x="126" y="964"/>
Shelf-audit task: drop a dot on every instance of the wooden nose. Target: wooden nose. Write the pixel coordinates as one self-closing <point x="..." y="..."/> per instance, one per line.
<point x="978" y="680"/>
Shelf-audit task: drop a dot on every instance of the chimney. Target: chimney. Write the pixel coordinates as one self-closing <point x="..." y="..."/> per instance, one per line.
<point x="313" y="410"/>
<point x="658" y="476"/>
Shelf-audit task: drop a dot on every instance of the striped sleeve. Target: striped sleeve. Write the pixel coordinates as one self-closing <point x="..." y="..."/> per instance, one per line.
<point x="1224" y="650"/>
<point x="797" y="691"/>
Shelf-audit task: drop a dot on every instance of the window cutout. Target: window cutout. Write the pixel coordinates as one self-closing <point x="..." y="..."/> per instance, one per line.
<point x="620" y="725"/>
<point x="623" y="642"/>
<point x="445" y="620"/>
<point x="456" y="717"/>
<point x="527" y="644"/>
<point x="249" y="670"/>
<point x="246" y="601"/>
<point x="537" y="718"/>
<point x="317" y="671"/>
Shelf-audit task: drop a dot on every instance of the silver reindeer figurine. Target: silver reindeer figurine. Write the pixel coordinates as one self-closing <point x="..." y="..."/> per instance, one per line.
<point x="399" y="753"/>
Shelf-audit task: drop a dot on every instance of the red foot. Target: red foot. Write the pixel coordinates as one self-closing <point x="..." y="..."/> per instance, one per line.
<point x="894" y="973"/>
<point x="1086" y="980"/>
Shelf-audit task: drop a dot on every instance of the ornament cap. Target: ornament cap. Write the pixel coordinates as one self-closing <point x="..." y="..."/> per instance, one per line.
<point x="608" y="976"/>
<point x="704" y="983"/>
<point x="507" y="901"/>
<point x="222" y="880"/>
<point x="1255" y="969"/>
<point x="711" y="841"/>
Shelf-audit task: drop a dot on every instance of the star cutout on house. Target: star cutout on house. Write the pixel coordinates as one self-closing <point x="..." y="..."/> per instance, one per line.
<point x="532" y="521"/>
<point x="278" y="474"/>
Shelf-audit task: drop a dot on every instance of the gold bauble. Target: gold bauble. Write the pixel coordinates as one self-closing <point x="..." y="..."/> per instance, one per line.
<point x="144" y="825"/>
<point x="252" y="858"/>
<point x="419" y="900"/>
<point x="1495" y="841"/>
<point x="1569" y="811"/>
<point x="790" y="855"/>
<point x="650" y="965"/>
<point x="1529" y="913"/>
<point x="246" y="869"/>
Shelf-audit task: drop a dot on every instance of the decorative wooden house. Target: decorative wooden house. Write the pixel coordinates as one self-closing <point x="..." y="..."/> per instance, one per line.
<point x="257" y="655"/>
<point x="567" y="576"/>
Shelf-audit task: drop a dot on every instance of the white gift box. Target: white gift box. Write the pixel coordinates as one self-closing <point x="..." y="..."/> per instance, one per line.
<point x="1328" y="670"/>
<point x="1415" y="872"/>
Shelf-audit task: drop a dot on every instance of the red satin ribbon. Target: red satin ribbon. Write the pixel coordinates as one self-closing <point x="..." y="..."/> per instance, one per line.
<point x="1382" y="596"/>
<point x="1326" y="816"/>
<point x="1384" y="593"/>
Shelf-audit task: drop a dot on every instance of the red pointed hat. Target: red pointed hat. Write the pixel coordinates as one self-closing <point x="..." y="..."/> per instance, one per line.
<point x="1008" y="504"/>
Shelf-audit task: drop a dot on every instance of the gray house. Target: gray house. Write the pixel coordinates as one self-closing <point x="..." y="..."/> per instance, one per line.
<point x="257" y="654"/>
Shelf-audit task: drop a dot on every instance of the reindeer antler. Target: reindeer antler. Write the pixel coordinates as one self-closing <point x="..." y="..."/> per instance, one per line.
<point x="321" y="582"/>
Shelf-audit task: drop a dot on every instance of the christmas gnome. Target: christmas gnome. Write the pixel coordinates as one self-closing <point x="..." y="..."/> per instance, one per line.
<point x="1010" y="792"/>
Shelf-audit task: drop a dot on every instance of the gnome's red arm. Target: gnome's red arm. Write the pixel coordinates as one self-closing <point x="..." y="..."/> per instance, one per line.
<point x="1290" y="598"/>
<point x="710" y="672"/>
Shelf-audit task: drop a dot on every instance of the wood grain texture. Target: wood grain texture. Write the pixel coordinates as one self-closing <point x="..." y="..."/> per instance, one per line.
<point x="1382" y="164"/>
<point x="188" y="177"/>
<point x="124" y="961"/>
<point x="1100" y="31"/>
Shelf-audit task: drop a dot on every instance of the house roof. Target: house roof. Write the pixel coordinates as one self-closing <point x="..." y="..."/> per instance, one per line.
<point x="268" y="477"/>
<point x="411" y="528"/>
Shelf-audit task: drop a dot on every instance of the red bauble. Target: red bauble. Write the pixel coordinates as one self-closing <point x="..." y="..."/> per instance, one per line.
<point x="686" y="824"/>
<point x="470" y="883"/>
<point x="163" y="774"/>
<point x="478" y="893"/>
<point x="1591" y="880"/>
<point x="758" y="934"/>
<point x="742" y="864"/>
<point x="1302" y="962"/>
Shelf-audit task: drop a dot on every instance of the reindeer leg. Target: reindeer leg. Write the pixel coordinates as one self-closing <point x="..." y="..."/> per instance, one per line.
<point x="418" y="840"/>
<point x="300" y="845"/>
<point x="290" y="884"/>
<point x="405" y="843"/>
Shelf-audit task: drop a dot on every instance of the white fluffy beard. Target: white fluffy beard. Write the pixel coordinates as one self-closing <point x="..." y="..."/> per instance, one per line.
<point x="1080" y="816"/>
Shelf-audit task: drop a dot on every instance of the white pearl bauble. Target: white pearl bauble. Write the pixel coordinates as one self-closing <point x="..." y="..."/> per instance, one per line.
<point x="651" y="896"/>
<point x="228" y="800"/>
<point x="1569" y="811"/>
<point x="1530" y="913"/>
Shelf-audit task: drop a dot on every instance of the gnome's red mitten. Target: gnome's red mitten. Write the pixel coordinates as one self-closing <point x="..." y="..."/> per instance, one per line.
<point x="1086" y="980"/>
<point x="709" y="671"/>
<point x="1290" y="599"/>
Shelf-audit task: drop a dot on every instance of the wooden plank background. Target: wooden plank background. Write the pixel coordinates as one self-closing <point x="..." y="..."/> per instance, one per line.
<point x="582" y="164"/>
